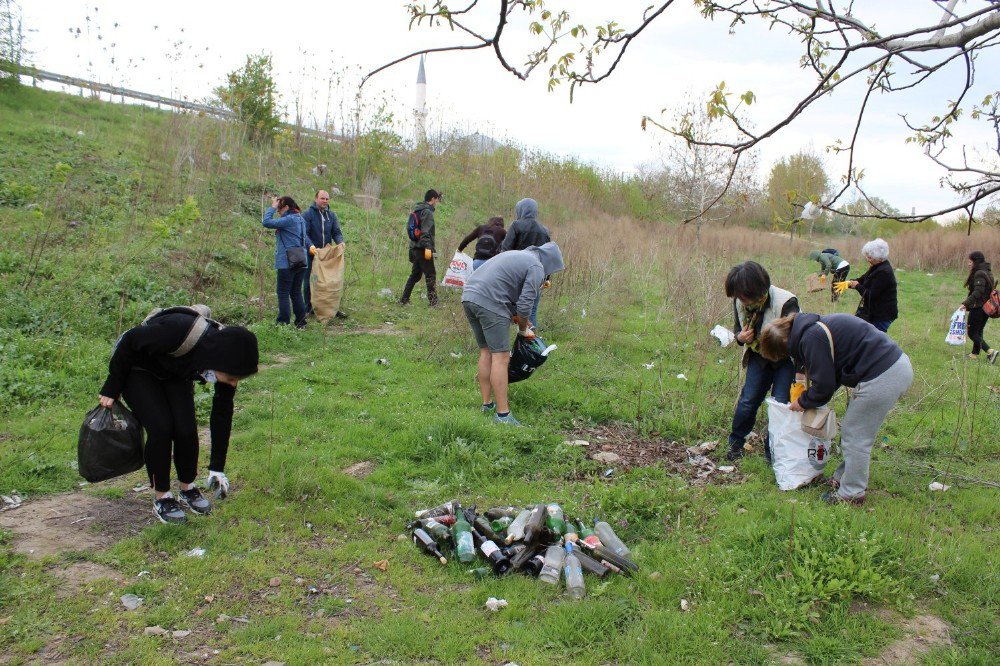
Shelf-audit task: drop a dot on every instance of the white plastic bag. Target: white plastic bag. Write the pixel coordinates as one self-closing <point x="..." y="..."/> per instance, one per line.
<point x="723" y="335"/>
<point x="956" y="329"/>
<point x="797" y="457"/>
<point x="458" y="271"/>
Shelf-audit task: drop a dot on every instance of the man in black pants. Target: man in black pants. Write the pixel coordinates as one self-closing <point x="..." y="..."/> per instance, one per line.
<point x="422" y="251"/>
<point x="154" y="367"/>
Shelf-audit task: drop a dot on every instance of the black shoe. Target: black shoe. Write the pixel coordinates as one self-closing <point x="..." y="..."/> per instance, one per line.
<point x="404" y="301"/>
<point x="169" y="511"/>
<point x="734" y="454"/>
<point x="340" y="315"/>
<point x="301" y="325"/>
<point x="194" y="500"/>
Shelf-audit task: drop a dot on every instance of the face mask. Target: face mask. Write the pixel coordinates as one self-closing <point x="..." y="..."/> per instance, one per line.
<point x="209" y="376"/>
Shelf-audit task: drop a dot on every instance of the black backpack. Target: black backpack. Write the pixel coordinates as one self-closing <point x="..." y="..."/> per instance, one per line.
<point x="202" y="322"/>
<point x="486" y="246"/>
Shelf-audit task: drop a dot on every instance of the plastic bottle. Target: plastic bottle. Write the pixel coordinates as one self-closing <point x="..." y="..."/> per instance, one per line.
<point x="610" y="539"/>
<point x="552" y="567"/>
<point x="571" y="532"/>
<point x="515" y="531"/>
<point x="573" y="573"/>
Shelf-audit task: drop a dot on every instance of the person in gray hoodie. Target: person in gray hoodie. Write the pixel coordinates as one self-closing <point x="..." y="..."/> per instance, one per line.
<point x="524" y="232"/>
<point x="841" y="350"/>
<point x="502" y="292"/>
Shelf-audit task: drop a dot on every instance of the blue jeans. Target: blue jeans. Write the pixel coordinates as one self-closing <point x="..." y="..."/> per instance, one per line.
<point x="290" y="285"/>
<point x="882" y="325"/>
<point x="761" y="377"/>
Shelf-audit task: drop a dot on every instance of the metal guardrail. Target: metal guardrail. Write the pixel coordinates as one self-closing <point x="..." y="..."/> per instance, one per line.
<point x="165" y="101"/>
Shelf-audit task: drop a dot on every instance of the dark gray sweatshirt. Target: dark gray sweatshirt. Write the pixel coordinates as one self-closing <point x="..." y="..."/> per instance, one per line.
<point x="861" y="353"/>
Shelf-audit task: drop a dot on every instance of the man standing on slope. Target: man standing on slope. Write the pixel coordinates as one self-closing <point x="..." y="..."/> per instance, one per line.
<point x="500" y="292"/>
<point x="422" y="250"/>
<point x="323" y="228"/>
<point x="526" y="231"/>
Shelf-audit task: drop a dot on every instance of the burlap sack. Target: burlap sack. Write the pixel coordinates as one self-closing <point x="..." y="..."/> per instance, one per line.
<point x="816" y="282"/>
<point x="326" y="283"/>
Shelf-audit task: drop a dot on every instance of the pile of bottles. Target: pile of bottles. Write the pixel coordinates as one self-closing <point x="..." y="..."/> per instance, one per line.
<point x="539" y="541"/>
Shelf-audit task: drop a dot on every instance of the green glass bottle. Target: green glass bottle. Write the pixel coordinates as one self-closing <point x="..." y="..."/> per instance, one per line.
<point x="461" y="534"/>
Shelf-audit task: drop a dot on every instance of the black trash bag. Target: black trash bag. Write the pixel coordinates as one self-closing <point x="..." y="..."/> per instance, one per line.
<point x="527" y="355"/>
<point x="110" y="443"/>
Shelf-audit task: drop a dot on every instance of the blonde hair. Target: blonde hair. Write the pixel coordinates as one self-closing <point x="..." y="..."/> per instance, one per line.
<point x="774" y="338"/>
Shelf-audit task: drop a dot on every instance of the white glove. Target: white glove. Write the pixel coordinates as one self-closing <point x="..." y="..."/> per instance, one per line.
<point x="218" y="482"/>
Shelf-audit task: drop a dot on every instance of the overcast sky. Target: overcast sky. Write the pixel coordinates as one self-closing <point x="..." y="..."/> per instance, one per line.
<point x="185" y="49"/>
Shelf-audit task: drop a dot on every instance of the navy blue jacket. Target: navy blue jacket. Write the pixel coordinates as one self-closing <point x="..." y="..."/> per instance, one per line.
<point x="322" y="232"/>
<point x="861" y="353"/>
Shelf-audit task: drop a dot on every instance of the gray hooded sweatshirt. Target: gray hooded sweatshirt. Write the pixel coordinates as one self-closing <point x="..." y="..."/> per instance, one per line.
<point x="526" y="230"/>
<point x="510" y="282"/>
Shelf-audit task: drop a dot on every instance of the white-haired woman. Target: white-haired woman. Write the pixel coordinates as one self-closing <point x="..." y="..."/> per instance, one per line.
<point x="877" y="287"/>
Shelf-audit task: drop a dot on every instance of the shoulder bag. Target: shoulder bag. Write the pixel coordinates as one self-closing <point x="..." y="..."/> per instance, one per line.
<point x="821" y="421"/>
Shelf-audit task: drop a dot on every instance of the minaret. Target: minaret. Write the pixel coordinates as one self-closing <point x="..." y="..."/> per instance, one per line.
<point x="420" y="110"/>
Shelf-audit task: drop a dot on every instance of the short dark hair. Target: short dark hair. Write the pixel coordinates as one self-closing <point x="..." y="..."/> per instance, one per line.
<point x="431" y="194"/>
<point x="748" y="280"/>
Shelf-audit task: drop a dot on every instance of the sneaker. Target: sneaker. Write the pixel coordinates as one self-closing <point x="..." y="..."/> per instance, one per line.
<point x="832" y="497"/>
<point x="734" y="453"/>
<point x="404" y="301"/>
<point x="972" y="356"/>
<point x="340" y="315"/>
<point x="169" y="511"/>
<point x="992" y="356"/>
<point x="487" y="409"/>
<point x="194" y="500"/>
<point x="509" y="419"/>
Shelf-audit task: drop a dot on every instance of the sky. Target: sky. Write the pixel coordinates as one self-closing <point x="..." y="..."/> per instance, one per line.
<point x="185" y="49"/>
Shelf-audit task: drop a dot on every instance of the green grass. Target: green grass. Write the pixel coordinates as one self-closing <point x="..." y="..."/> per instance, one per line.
<point x="765" y="572"/>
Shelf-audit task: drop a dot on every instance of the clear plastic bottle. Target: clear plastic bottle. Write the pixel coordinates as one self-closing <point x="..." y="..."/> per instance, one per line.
<point x="552" y="568"/>
<point x="610" y="539"/>
<point x="573" y="573"/>
<point x="515" y="531"/>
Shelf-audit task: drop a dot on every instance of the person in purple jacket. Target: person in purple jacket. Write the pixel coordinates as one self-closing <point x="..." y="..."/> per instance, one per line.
<point x="842" y="350"/>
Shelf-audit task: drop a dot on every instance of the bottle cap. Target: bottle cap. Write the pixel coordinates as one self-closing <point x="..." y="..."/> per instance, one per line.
<point x="569" y="547"/>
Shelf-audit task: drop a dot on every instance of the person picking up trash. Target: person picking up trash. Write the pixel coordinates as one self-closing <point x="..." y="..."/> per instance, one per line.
<point x="153" y="367"/>
<point x="502" y="291"/>
<point x="841" y="350"/>
<point x="834" y="265"/>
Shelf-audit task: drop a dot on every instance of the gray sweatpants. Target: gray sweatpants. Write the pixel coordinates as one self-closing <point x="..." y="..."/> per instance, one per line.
<point x="868" y="408"/>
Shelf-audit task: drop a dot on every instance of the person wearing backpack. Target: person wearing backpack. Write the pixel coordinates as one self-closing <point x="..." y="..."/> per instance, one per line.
<point x="488" y="239"/>
<point x="524" y="232"/>
<point x="841" y="350"/>
<point x="291" y="257"/>
<point x="980" y="284"/>
<point x="154" y="367"/>
<point x="420" y="229"/>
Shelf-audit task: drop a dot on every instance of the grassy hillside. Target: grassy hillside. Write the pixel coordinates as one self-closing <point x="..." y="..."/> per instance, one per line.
<point x="109" y="211"/>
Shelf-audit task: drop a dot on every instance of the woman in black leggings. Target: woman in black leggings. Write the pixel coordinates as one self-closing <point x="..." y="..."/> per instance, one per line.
<point x="154" y="367"/>
<point x="980" y="284"/>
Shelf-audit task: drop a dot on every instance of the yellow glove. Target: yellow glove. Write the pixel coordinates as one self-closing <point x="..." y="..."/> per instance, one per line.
<point x="312" y="250"/>
<point x="428" y="254"/>
<point x="546" y="284"/>
<point x="841" y="287"/>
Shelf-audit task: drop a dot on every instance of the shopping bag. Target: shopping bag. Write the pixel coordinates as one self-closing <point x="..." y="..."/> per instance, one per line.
<point x="956" y="329"/>
<point x="459" y="271"/>
<point x="816" y="282"/>
<point x="527" y="356"/>
<point x="326" y="281"/>
<point x="796" y="456"/>
<point x="110" y="443"/>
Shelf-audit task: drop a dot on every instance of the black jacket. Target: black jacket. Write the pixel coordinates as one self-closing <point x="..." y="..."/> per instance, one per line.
<point x="981" y="287"/>
<point x="523" y="234"/>
<point x="861" y="353"/>
<point x="147" y="348"/>
<point x="498" y="233"/>
<point x="425" y="213"/>
<point x="877" y="288"/>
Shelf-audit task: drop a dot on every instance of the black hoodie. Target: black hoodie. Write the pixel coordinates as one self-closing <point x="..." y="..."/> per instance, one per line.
<point x="861" y="353"/>
<point x="981" y="286"/>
